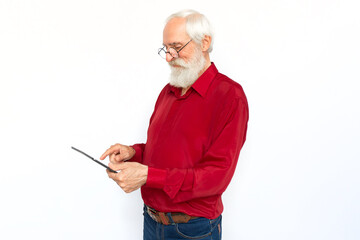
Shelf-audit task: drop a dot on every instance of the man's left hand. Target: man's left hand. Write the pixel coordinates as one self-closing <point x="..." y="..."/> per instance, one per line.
<point x="131" y="177"/>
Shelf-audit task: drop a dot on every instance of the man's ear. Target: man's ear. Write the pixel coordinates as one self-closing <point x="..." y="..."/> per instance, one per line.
<point x="205" y="43"/>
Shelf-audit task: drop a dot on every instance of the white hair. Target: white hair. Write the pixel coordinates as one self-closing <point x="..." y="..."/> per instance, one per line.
<point x="197" y="26"/>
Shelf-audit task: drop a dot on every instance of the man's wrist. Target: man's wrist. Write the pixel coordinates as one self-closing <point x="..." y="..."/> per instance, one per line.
<point x="146" y="172"/>
<point x="133" y="152"/>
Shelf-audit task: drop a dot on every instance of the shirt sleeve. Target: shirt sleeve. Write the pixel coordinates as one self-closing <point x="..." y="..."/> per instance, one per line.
<point x="213" y="173"/>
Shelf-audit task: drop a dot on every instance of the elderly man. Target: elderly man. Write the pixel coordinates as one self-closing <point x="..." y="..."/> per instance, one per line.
<point x="193" y="142"/>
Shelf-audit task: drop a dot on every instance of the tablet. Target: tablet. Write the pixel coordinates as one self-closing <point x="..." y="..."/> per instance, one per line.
<point x="97" y="161"/>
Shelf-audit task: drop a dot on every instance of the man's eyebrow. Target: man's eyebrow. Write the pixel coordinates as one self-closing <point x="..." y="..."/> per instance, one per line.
<point x="173" y="44"/>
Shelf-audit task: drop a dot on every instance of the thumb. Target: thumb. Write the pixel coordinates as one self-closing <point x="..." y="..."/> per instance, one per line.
<point x="111" y="174"/>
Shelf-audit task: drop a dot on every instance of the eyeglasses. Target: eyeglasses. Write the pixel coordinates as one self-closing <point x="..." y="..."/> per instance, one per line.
<point x="172" y="51"/>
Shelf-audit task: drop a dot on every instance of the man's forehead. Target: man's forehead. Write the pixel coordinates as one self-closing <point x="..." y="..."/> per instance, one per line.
<point x="175" y="32"/>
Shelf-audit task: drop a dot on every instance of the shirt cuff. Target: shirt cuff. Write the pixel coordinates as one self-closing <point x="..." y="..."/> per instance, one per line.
<point x="138" y="153"/>
<point x="156" y="178"/>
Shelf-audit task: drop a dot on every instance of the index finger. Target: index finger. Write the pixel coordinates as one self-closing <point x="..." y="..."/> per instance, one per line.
<point x="107" y="153"/>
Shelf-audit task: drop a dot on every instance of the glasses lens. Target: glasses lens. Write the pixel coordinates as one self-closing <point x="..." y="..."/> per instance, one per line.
<point x="173" y="53"/>
<point x="162" y="53"/>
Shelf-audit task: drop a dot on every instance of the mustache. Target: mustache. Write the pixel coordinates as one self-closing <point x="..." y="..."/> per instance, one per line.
<point x="178" y="62"/>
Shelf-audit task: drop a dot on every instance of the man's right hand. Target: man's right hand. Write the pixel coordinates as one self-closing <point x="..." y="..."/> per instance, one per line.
<point x="118" y="153"/>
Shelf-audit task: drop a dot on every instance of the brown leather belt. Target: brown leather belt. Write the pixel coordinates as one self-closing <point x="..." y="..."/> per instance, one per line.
<point x="162" y="217"/>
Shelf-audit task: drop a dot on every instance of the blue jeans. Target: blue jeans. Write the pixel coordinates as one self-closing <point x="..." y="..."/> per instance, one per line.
<point x="199" y="228"/>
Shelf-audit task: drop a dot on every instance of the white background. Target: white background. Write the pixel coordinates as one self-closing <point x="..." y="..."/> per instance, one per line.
<point x="86" y="73"/>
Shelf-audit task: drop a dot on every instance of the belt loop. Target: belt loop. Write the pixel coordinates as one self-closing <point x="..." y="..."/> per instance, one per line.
<point x="163" y="218"/>
<point x="170" y="218"/>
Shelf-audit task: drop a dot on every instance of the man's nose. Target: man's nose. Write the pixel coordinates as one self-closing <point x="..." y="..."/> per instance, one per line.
<point x="169" y="58"/>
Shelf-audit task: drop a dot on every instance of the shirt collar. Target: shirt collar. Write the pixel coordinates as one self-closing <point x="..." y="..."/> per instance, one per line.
<point x="202" y="84"/>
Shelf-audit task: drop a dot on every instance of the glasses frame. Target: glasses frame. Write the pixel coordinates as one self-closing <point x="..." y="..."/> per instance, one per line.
<point x="172" y="51"/>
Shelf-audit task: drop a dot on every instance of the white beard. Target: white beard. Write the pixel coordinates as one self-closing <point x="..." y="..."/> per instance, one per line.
<point x="188" y="73"/>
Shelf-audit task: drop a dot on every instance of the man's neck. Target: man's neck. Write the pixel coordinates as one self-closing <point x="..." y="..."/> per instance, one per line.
<point x="184" y="90"/>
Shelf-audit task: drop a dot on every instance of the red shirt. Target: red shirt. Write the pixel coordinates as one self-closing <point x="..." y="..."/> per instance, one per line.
<point x="193" y="144"/>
